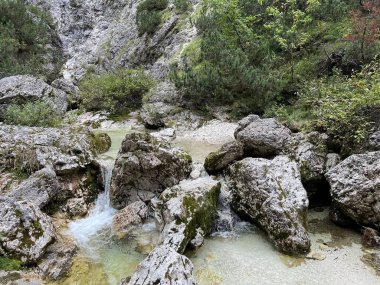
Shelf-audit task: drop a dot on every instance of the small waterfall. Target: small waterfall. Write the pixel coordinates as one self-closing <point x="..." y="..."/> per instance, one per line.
<point x="94" y="231"/>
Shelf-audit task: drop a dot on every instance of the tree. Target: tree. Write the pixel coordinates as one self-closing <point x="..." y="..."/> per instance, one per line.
<point x="287" y="20"/>
<point x="365" y="25"/>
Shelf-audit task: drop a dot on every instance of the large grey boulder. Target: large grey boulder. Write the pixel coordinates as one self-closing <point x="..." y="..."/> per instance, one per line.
<point x="262" y="137"/>
<point x="144" y="167"/>
<point x="21" y="89"/>
<point x="355" y="188"/>
<point x="270" y="193"/>
<point x="163" y="266"/>
<point x="31" y="148"/>
<point x="186" y="211"/>
<point x="25" y="232"/>
<point x="220" y="159"/>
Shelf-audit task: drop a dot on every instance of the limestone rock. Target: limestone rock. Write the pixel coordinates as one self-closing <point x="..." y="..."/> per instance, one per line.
<point x="374" y="141"/>
<point x="187" y="210"/>
<point x="163" y="266"/>
<point x="270" y="193"/>
<point x="25" y="232"/>
<point x="21" y="89"/>
<point x="131" y="216"/>
<point x="144" y="167"/>
<point x="220" y="159"/>
<point x="371" y="238"/>
<point x="355" y="184"/>
<point x="262" y="137"/>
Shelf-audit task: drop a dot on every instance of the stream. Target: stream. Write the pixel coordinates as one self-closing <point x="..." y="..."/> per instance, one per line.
<point x="243" y="257"/>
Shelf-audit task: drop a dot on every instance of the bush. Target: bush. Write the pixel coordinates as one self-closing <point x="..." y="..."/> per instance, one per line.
<point x="149" y="16"/>
<point x="117" y="92"/>
<point x="9" y="264"/>
<point x="182" y="5"/>
<point x="34" y="114"/>
<point x="24" y="32"/>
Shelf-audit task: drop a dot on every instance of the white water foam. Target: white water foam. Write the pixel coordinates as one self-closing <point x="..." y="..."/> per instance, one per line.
<point x="95" y="230"/>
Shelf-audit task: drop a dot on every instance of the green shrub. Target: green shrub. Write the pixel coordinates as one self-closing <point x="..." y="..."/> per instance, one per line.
<point x="182" y="5"/>
<point x="34" y="114"/>
<point x="149" y="16"/>
<point x="117" y="92"/>
<point x="9" y="264"/>
<point x="24" y="33"/>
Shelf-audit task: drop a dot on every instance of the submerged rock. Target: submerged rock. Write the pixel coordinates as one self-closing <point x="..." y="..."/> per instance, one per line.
<point x="131" y="216"/>
<point x="220" y="159"/>
<point x="355" y="185"/>
<point x="163" y="266"/>
<point x="144" y="167"/>
<point x="262" y="137"/>
<point x="25" y="232"/>
<point x="270" y="193"/>
<point x="187" y="210"/>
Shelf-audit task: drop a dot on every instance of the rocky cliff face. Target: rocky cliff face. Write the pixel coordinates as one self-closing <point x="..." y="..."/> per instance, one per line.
<point x="103" y="35"/>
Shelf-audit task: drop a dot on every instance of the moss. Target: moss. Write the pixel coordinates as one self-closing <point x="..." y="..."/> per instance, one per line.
<point x="9" y="264"/>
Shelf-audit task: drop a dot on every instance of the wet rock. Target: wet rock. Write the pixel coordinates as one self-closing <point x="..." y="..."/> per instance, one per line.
<point x="25" y="232"/>
<point x="187" y="210"/>
<point x="354" y="188"/>
<point x="144" y="167"/>
<point x="102" y="142"/>
<point x="128" y="218"/>
<point x="262" y="137"/>
<point x="220" y="159"/>
<point x="270" y="193"/>
<point x="163" y="266"/>
<point x="19" y="278"/>
<point x="198" y="240"/>
<point x="371" y="238"/>
<point x="58" y="259"/>
<point x="198" y="171"/>
<point x="76" y="207"/>
<point x="21" y="89"/>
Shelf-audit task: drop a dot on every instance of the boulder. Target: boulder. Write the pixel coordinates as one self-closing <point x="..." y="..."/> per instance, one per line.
<point x="220" y="159"/>
<point x="374" y="141"/>
<point x="270" y="193"/>
<point x="128" y="218"/>
<point x="144" y="167"/>
<point x="262" y="137"/>
<point x="355" y="188"/>
<point x="163" y="266"/>
<point x="31" y="148"/>
<point x="371" y="238"/>
<point x="187" y="210"/>
<point x="153" y="115"/>
<point x="21" y="89"/>
<point x="25" y="232"/>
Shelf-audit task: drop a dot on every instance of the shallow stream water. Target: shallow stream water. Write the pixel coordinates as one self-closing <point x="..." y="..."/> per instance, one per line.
<point x="244" y="257"/>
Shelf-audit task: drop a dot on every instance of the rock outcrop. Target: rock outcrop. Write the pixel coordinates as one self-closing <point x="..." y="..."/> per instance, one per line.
<point x="25" y="232"/>
<point x="355" y="188"/>
<point x="163" y="266"/>
<point x="21" y="89"/>
<point x="220" y="159"/>
<point x="270" y="193"/>
<point x="144" y="167"/>
<point x="187" y="210"/>
<point x="61" y="162"/>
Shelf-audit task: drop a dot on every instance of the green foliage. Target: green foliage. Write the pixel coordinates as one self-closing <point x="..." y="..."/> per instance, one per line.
<point x="340" y="106"/>
<point x="116" y="92"/>
<point x="9" y="264"/>
<point x="34" y="114"/>
<point x="182" y="5"/>
<point x="230" y="68"/>
<point x="149" y="15"/>
<point x="24" y="32"/>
